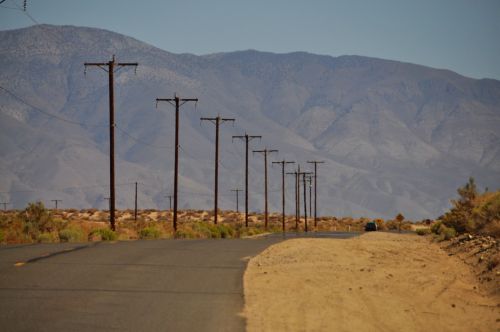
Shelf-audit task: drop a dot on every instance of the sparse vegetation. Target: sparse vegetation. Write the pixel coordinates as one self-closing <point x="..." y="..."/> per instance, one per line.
<point x="102" y="234"/>
<point x="473" y="212"/>
<point x="423" y="231"/>
<point x="71" y="235"/>
<point x="149" y="233"/>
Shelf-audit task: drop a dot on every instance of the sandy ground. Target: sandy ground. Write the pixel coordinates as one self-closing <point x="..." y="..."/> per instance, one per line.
<point x="376" y="282"/>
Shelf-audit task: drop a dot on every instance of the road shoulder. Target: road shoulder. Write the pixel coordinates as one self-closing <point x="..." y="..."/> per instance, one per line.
<point x="374" y="282"/>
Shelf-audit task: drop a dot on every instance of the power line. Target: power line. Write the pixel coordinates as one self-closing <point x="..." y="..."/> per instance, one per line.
<point x="22" y="9"/>
<point x="49" y="114"/>
<point x="141" y="141"/>
<point x="65" y="188"/>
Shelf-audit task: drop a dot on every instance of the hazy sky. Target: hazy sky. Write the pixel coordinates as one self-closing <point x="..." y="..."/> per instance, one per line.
<point x="461" y="35"/>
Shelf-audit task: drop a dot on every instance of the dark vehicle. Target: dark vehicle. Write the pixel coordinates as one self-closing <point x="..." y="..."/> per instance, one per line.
<point x="371" y="226"/>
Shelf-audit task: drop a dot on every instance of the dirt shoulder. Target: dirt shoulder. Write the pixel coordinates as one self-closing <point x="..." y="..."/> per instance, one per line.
<point x="376" y="282"/>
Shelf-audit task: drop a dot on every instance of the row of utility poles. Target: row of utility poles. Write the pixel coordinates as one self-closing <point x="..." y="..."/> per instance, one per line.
<point x="177" y="102"/>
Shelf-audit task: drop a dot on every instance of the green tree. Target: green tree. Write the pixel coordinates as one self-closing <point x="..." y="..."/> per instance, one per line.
<point x="460" y="216"/>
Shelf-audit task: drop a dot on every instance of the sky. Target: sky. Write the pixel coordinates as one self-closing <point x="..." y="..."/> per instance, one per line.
<point x="460" y="35"/>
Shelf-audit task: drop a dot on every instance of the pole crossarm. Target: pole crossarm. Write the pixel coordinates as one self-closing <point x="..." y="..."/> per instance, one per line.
<point x="56" y="201"/>
<point x="246" y="138"/>
<point x="109" y="67"/>
<point x="265" y="152"/>
<point x="216" y="121"/>
<point x="177" y="102"/>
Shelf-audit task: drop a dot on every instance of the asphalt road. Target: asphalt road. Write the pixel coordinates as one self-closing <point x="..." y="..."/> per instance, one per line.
<point x="163" y="285"/>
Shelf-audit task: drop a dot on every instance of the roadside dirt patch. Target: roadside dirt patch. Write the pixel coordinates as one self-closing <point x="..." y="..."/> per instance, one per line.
<point x="376" y="282"/>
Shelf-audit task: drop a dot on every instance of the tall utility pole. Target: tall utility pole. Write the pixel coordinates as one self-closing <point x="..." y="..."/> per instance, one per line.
<point x="265" y="152"/>
<point x="309" y="180"/>
<point x="315" y="162"/>
<point x="237" y="191"/>
<point x="110" y="67"/>
<point x="177" y="102"/>
<point x="4" y="205"/>
<point x="56" y="201"/>
<point x="305" y="196"/>
<point x="135" y="205"/>
<point x="297" y="196"/>
<point x="216" y="121"/>
<point x="247" y="139"/>
<point x="283" y="163"/>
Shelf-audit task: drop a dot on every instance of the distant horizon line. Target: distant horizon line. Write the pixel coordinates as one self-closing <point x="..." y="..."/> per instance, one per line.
<point x="251" y="50"/>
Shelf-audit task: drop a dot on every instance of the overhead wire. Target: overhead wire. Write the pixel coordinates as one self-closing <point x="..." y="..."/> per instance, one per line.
<point x="141" y="141"/>
<point x="22" y="9"/>
<point x="47" y="113"/>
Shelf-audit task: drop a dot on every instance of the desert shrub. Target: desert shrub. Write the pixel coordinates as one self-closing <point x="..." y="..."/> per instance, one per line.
<point x="445" y="233"/>
<point x="392" y="225"/>
<point x="149" y="233"/>
<point x="226" y="231"/>
<point x="435" y="227"/>
<point x="492" y="228"/>
<point x="201" y="229"/>
<point x="184" y="234"/>
<point x="423" y="231"/>
<point x="1" y="235"/>
<point x="71" y="235"/>
<point x="104" y="234"/>
<point x="36" y="219"/>
<point x="381" y="224"/>
<point x="47" y="238"/>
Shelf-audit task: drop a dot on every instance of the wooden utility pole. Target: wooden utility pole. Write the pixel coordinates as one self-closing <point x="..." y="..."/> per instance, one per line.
<point x="216" y="121"/>
<point x="265" y="152"/>
<point x="177" y="102"/>
<point x="315" y="162"/>
<point x="305" y="196"/>
<point x="4" y="205"/>
<point x="56" y="201"/>
<point x="297" y="197"/>
<point x="309" y="182"/>
<point x="237" y="191"/>
<point x="247" y="138"/>
<point x="169" y="201"/>
<point x="283" y="163"/>
<point x="110" y="67"/>
<point x="135" y="205"/>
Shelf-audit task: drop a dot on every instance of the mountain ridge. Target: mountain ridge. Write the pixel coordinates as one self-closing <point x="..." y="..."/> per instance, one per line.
<point x="390" y="131"/>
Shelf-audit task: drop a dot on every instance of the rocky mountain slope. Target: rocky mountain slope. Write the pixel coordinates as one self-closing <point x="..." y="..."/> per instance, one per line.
<point x="396" y="137"/>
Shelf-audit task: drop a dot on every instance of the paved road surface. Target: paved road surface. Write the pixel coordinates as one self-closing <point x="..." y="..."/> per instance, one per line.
<point x="164" y="285"/>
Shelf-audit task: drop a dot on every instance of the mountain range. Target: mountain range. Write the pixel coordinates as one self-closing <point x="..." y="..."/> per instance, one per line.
<point x="395" y="137"/>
